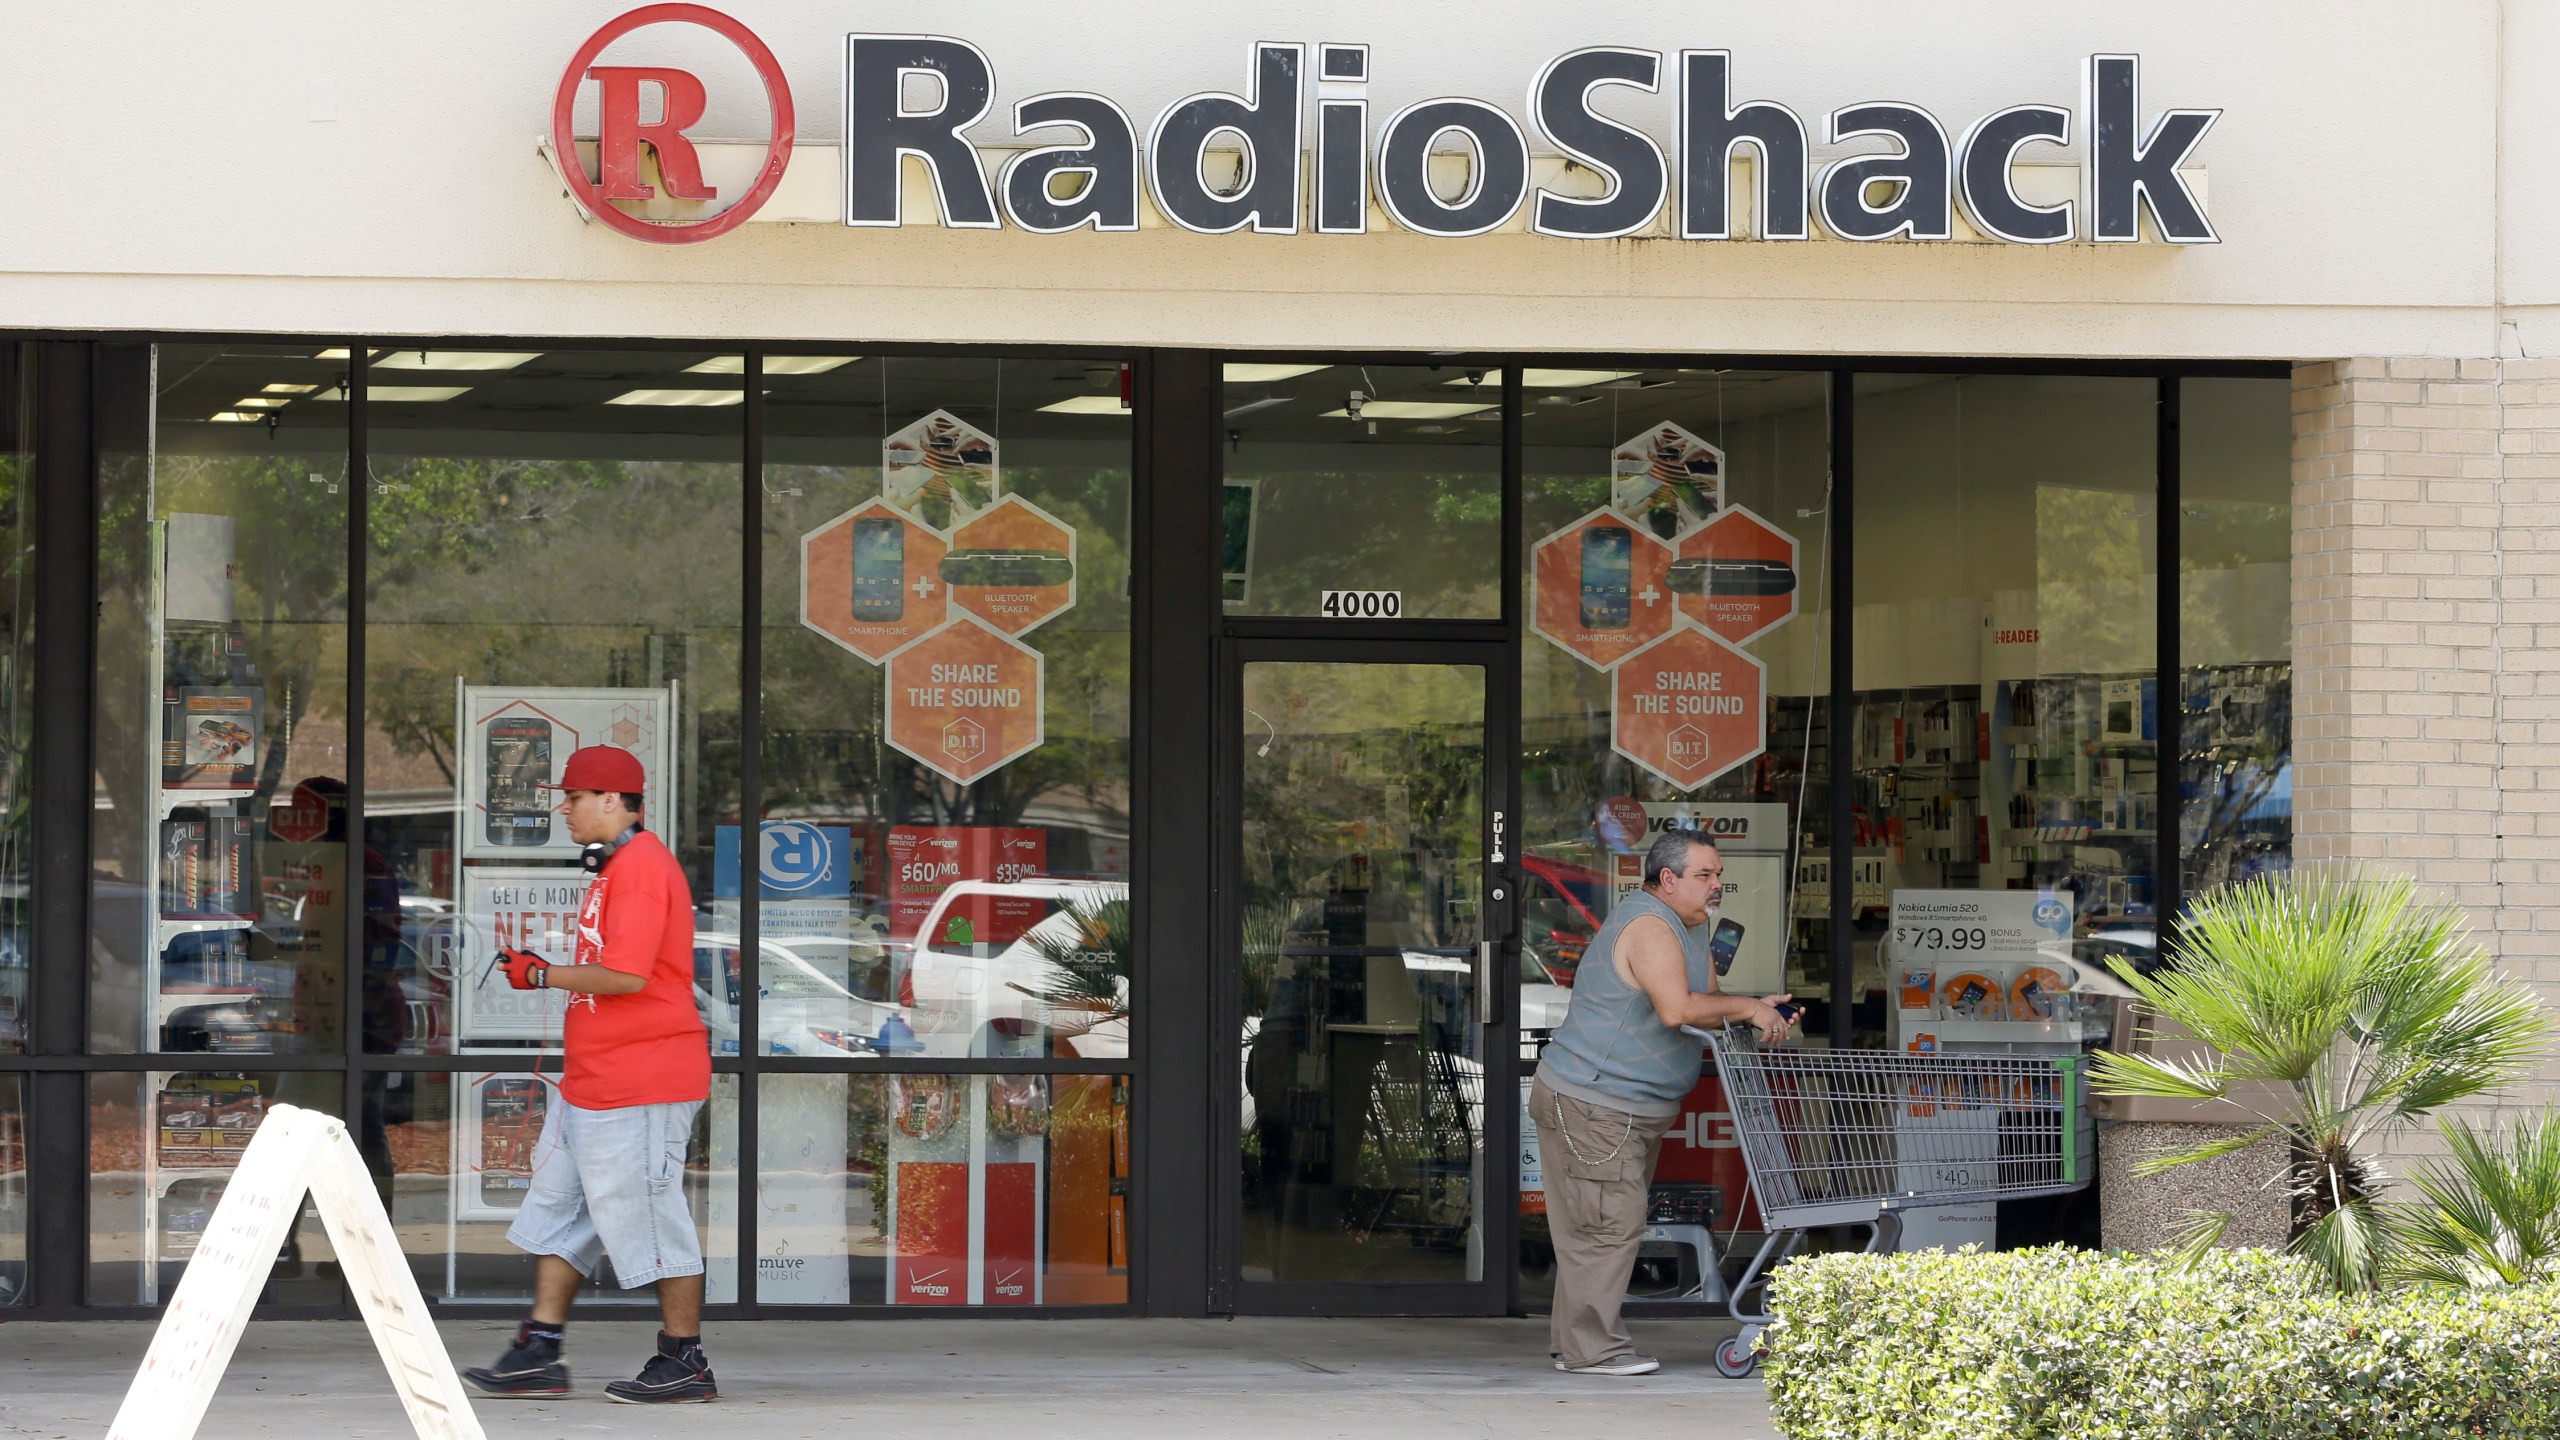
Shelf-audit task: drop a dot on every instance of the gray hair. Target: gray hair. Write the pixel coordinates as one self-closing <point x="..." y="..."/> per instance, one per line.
<point x="1670" y="851"/>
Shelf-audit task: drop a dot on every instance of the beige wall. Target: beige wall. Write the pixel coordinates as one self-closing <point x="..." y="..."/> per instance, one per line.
<point x="374" y="168"/>
<point x="2426" y="600"/>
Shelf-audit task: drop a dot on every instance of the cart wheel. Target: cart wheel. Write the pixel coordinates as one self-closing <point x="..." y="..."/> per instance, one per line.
<point x="1736" y="1356"/>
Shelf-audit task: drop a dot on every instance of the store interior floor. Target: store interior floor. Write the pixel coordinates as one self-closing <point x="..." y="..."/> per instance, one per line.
<point x="1062" y="1380"/>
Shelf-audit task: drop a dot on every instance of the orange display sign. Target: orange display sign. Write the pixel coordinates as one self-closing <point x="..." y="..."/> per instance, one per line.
<point x="965" y="700"/>
<point x="1013" y="567"/>
<point x="1736" y="575"/>
<point x="1689" y="708"/>
<point x="871" y="580"/>
<point x="1602" y="588"/>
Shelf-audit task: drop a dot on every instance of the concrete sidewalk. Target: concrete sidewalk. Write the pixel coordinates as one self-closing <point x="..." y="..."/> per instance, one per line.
<point x="1058" y="1380"/>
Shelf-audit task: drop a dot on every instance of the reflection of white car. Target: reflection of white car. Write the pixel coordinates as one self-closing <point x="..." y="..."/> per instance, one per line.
<point x="973" y="997"/>
<point x="806" y="1009"/>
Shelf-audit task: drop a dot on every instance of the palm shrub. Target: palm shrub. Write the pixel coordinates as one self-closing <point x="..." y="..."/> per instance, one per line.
<point x="2365" y="1007"/>
<point x="2488" y="1214"/>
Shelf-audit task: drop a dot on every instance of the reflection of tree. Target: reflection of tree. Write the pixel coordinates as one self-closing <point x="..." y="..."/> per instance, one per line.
<point x="1432" y="536"/>
<point x="2093" y="572"/>
<point x="2220" y="539"/>
<point x="542" y="572"/>
<point x="288" y="590"/>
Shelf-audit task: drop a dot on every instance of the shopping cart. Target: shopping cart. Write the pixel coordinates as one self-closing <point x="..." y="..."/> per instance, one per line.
<point x="1856" y="1137"/>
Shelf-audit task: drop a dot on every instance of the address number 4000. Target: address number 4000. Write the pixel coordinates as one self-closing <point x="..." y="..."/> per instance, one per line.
<point x="1362" y="604"/>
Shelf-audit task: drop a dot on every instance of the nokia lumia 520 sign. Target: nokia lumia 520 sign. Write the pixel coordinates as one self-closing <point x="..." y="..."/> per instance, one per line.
<point x="1298" y="146"/>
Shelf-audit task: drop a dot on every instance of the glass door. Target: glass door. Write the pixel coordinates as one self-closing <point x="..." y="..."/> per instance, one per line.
<point x="1366" y="912"/>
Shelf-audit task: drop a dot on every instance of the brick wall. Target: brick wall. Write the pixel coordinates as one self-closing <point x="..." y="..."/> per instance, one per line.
<point x="2426" y="632"/>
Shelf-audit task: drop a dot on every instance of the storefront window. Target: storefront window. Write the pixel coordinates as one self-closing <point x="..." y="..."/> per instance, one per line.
<point x="2007" y="734"/>
<point x="17" y="692"/>
<point x="221" y="705"/>
<point x="162" y="1148"/>
<point x="1363" y="480"/>
<point x="2235" y="636"/>
<point x="13" y="1191"/>
<point x="454" y="1154"/>
<point x="1676" y="530"/>
<point x="938" y="1190"/>
<point x="944" y="856"/>
<point x="552" y="562"/>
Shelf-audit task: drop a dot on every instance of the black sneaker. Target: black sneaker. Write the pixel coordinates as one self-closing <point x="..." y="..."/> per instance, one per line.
<point x="530" y="1369"/>
<point x="668" y="1380"/>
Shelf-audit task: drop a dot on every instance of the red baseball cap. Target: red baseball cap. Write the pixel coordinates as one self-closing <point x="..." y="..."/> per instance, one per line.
<point x="604" y="767"/>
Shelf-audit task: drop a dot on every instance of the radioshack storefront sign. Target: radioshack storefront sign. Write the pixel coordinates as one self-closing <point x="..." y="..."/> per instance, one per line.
<point x="1295" y="146"/>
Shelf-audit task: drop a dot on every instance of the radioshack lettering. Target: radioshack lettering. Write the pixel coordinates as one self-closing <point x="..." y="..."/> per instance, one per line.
<point x="1298" y="146"/>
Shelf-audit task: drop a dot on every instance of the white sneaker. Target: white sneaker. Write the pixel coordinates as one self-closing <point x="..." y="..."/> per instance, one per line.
<point x="1628" y="1364"/>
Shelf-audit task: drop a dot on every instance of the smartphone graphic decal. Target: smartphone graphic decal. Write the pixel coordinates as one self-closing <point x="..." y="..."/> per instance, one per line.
<point x="879" y="570"/>
<point x="511" y="1115"/>
<point x="1607" y="556"/>
<point x="519" y="767"/>
<point x="1724" y="943"/>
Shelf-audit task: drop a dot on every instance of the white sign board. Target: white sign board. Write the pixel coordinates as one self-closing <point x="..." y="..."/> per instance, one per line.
<point x="1962" y="927"/>
<point x="513" y="907"/>
<point x="295" y="1151"/>
<point x="514" y="741"/>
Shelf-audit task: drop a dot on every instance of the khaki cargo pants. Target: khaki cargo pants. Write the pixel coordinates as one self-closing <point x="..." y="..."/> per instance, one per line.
<point x="1598" y="1165"/>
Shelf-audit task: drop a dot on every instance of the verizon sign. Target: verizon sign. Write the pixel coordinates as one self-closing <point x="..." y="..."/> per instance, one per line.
<point x="1292" y="144"/>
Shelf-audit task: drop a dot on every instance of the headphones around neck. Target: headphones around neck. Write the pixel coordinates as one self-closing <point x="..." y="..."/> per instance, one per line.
<point x="592" y="858"/>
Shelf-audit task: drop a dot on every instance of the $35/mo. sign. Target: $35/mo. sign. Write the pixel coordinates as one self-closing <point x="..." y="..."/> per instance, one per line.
<point x="1362" y="605"/>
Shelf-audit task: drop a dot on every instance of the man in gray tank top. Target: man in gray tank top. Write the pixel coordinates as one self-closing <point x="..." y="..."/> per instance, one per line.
<point x="1611" y="1082"/>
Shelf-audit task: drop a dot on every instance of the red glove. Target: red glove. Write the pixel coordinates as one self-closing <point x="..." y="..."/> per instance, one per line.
<point x="526" y="970"/>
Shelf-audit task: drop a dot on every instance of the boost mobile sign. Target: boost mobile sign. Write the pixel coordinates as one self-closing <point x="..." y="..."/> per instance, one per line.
<point x="1290" y="150"/>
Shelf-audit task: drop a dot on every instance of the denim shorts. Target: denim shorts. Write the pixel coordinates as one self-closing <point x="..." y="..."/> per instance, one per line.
<point x="611" y="1182"/>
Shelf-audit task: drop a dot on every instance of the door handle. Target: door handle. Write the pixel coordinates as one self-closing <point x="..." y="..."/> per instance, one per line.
<point x="1486" y="996"/>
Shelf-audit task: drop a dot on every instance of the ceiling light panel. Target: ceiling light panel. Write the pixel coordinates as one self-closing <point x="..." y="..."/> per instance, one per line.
<point x="773" y="364"/>
<point x="452" y="359"/>
<point x="1413" y="410"/>
<point x="1567" y="379"/>
<point x="679" y="398"/>
<point x="1265" y="374"/>
<point x="1087" y="405"/>
<point x="405" y="394"/>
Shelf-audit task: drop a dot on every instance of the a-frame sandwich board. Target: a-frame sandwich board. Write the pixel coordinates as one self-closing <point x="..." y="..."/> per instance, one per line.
<point x="295" y="1151"/>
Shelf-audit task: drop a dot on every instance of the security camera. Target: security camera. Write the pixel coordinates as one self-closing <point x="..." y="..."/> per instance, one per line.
<point x="1354" y="403"/>
<point x="1475" y="377"/>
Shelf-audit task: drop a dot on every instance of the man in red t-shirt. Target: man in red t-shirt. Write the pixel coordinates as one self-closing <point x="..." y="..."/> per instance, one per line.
<point x="608" y="1177"/>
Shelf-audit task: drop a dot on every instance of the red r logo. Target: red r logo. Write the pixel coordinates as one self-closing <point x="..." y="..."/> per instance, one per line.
<point x="618" y="149"/>
<point x="682" y="102"/>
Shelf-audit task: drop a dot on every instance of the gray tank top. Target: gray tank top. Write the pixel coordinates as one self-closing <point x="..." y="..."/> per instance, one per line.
<point x="1612" y="1049"/>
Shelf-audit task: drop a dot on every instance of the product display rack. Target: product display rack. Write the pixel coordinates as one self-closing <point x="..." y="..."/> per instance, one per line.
<point x="2050" y="782"/>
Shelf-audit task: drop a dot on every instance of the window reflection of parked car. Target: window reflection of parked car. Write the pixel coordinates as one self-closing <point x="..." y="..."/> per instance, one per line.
<point x="1061" y="971"/>
<point x="805" y="1008"/>
<point x="1565" y="904"/>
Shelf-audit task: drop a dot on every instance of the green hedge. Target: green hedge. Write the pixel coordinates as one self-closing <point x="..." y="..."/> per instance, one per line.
<point x="2081" y="1346"/>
